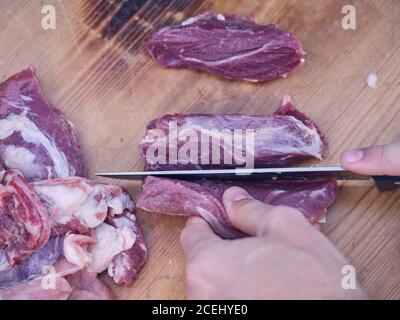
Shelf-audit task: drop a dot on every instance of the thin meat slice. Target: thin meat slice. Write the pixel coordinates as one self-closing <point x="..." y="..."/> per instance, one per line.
<point x="283" y="138"/>
<point x="35" y="137"/>
<point x="204" y="198"/>
<point x="24" y="221"/>
<point x="229" y="46"/>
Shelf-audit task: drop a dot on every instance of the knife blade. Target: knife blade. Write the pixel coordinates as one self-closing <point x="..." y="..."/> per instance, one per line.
<point x="268" y="174"/>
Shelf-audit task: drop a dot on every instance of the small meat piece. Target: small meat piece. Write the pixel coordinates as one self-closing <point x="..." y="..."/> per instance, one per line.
<point x="127" y="265"/>
<point x="104" y="211"/>
<point x="229" y="46"/>
<point x="32" y="267"/>
<point x="283" y="138"/>
<point x="87" y="286"/>
<point x="42" y="275"/>
<point x="24" y="221"/>
<point x="78" y="204"/>
<point x="204" y="198"/>
<point x="35" y="137"/>
<point x="33" y="290"/>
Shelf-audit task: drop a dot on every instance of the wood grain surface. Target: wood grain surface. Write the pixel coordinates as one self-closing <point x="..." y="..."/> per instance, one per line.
<point x="93" y="67"/>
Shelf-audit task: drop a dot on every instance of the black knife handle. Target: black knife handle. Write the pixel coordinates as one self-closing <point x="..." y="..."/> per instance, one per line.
<point x="387" y="183"/>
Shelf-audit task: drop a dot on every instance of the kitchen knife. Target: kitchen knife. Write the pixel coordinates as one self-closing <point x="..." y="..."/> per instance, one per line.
<point x="273" y="174"/>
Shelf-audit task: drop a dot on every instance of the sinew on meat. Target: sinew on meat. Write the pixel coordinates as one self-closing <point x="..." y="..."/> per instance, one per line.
<point x="283" y="138"/>
<point x="35" y="137"/>
<point x="229" y="46"/>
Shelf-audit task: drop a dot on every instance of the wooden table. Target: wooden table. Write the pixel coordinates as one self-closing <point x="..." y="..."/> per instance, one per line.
<point x="94" y="68"/>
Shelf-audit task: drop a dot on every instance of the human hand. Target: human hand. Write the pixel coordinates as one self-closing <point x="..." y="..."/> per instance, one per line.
<point x="375" y="160"/>
<point x="283" y="258"/>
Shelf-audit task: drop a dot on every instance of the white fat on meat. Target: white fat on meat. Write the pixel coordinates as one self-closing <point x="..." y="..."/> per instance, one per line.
<point x="32" y="134"/>
<point x="110" y="242"/>
<point x="22" y="159"/>
<point x="76" y="249"/>
<point x="74" y="203"/>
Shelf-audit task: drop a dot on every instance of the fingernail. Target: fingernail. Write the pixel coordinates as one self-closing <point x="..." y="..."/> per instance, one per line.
<point x="235" y="194"/>
<point x="353" y="156"/>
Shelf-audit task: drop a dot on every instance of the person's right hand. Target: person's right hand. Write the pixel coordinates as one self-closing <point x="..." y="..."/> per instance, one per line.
<point x="284" y="257"/>
<point x="375" y="160"/>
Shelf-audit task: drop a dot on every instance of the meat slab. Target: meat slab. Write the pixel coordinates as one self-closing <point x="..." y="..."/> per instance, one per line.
<point x="204" y="198"/>
<point x="285" y="137"/>
<point x="229" y="46"/>
<point x="35" y="137"/>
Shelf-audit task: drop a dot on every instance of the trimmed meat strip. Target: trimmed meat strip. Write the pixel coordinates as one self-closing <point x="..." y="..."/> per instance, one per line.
<point x="283" y="138"/>
<point x="229" y="46"/>
<point x="204" y="198"/>
<point x="35" y="137"/>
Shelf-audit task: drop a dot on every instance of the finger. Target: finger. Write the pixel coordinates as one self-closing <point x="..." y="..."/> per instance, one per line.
<point x="376" y="160"/>
<point x="196" y="232"/>
<point x="256" y="218"/>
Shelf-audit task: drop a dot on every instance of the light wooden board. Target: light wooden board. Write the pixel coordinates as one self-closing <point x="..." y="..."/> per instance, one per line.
<point x="94" y="68"/>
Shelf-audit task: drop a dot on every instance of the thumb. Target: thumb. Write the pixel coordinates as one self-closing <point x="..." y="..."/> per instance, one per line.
<point x="257" y="218"/>
<point x="375" y="160"/>
<point x="196" y="233"/>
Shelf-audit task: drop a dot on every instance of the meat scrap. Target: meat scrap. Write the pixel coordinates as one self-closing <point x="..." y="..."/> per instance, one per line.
<point x="78" y="204"/>
<point x="94" y="229"/>
<point x="24" y="221"/>
<point x="35" y="137"/>
<point x="43" y="274"/>
<point x="229" y="46"/>
<point x="204" y="198"/>
<point x="285" y="137"/>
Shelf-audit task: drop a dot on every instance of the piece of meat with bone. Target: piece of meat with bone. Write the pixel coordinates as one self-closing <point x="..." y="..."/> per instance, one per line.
<point x="35" y="137"/>
<point x="204" y="198"/>
<point x="201" y="141"/>
<point x="24" y="221"/>
<point x="229" y="46"/>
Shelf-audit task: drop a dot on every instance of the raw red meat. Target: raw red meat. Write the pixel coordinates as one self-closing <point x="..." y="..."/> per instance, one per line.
<point x="127" y="265"/>
<point x="32" y="267"/>
<point x="35" y="137"/>
<point x="229" y="46"/>
<point x="283" y="138"/>
<point x="49" y="266"/>
<point x="24" y="221"/>
<point x="204" y="198"/>
<point x="78" y="204"/>
<point x="105" y="211"/>
<point x="111" y="239"/>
